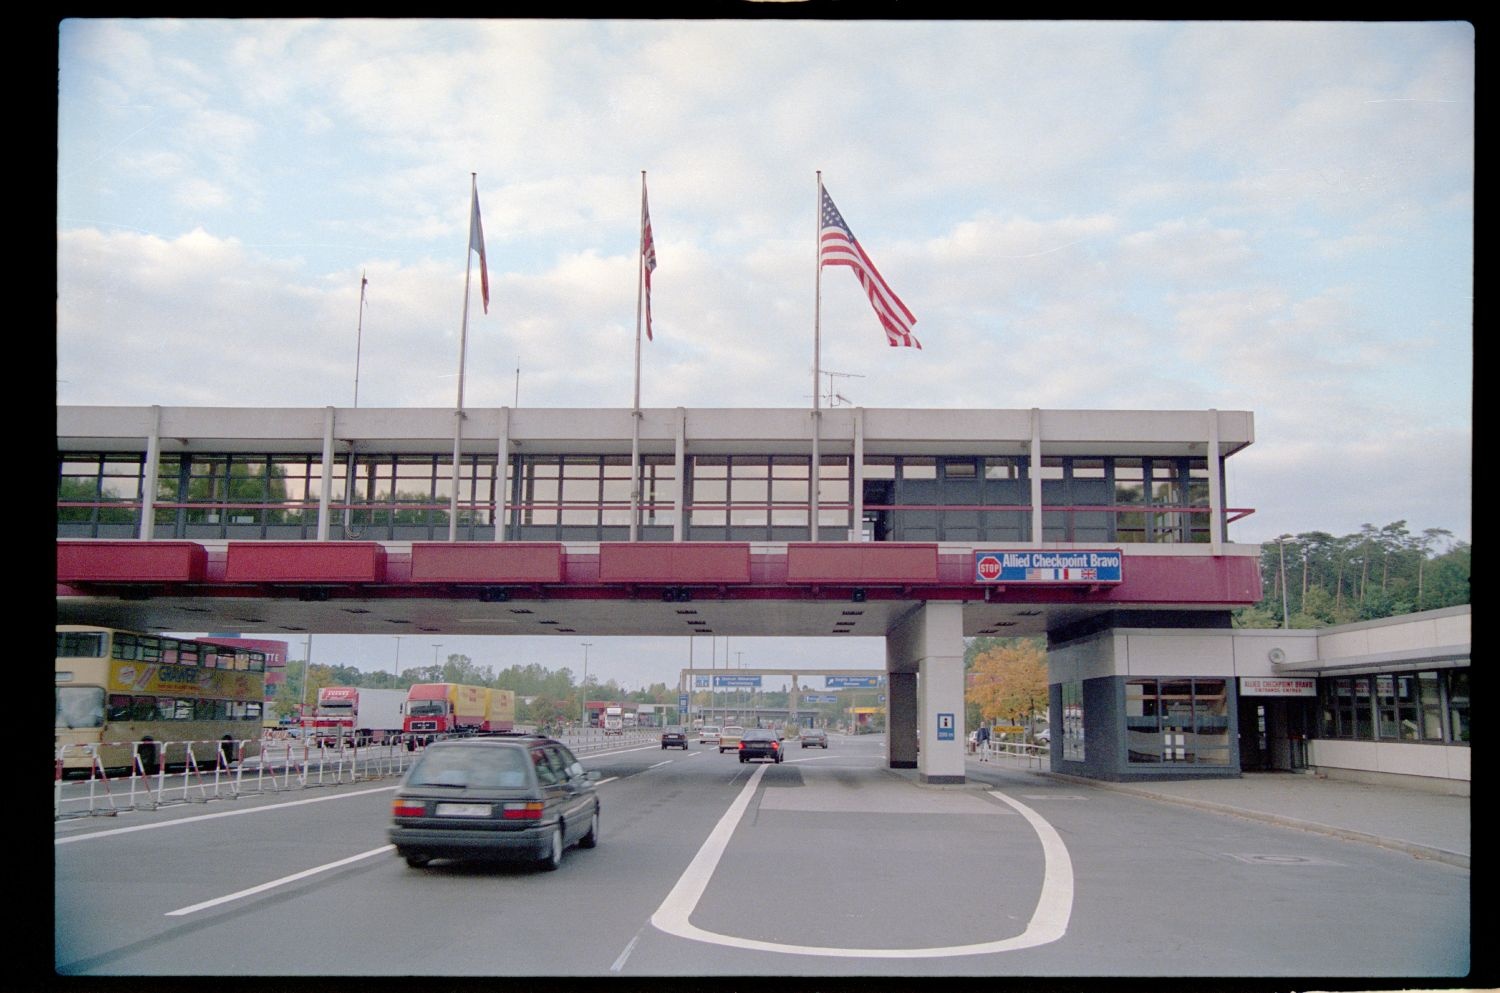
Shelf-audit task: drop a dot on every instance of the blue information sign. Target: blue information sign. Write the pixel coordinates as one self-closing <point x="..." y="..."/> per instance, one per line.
<point x="1080" y="566"/>
<point x="740" y="681"/>
<point x="851" y="682"/>
<point x="945" y="726"/>
<point x="682" y="701"/>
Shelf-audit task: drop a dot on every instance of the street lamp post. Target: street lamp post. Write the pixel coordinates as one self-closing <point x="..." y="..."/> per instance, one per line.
<point x="436" y="646"/>
<point x="1281" y="549"/>
<point x="306" y="667"/>
<point x="396" y="668"/>
<point x="583" y="691"/>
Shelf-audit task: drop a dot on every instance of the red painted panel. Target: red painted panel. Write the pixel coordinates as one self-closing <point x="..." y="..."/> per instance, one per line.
<point x="486" y="562"/>
<point x="130" y="561"/>
<point x="304" y="562"/>
<point x="674" y="562"/>
<point x="861" y="563"/>
<point x="1169" y="579"/>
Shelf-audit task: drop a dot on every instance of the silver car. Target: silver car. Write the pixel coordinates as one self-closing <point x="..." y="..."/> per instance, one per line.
<point x="814" y="736"/>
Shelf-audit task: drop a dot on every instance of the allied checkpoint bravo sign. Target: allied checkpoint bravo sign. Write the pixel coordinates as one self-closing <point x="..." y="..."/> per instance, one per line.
<point x="1076" y="566"/>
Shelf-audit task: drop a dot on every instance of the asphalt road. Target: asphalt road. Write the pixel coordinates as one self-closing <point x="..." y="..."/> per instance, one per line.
<point x="824" y="865"/>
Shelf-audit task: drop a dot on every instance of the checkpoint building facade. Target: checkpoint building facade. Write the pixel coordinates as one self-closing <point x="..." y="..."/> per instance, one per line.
<point x="1105" y="531"/>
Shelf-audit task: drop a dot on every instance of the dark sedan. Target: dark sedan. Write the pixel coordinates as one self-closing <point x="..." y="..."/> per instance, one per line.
<point x="516" y="796"/>
<point x="760" y="743"/>
<point x="674" y="736"/>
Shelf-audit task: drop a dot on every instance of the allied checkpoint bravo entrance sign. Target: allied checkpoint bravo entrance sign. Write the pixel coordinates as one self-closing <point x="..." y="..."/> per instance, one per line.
<point x="1078" y="566"/>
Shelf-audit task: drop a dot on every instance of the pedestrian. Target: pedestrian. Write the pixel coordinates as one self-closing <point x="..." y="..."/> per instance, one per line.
<point x="984" y="743"/>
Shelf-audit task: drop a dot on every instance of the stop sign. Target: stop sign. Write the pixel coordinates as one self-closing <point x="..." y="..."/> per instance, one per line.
<point x="989" y="567"/>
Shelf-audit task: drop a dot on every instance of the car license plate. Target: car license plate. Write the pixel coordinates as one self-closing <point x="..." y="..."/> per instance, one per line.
<point x="463" y="810"/>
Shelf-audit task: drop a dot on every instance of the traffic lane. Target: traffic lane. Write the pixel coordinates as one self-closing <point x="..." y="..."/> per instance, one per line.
<point x="115" y="887"/>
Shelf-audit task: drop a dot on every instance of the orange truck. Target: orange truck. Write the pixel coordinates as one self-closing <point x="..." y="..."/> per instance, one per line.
<point x="440" y="710"/>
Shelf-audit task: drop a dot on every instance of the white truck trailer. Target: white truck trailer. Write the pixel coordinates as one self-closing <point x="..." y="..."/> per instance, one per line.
<point x="357" y="715"/>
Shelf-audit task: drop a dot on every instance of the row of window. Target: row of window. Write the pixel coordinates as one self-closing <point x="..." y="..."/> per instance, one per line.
<point x="1396" y="706"/>
<point x="150" y="648"/>
<point x="86" y="707"/>
<point x="123" y="707"/>
<point x="562" y="496"/>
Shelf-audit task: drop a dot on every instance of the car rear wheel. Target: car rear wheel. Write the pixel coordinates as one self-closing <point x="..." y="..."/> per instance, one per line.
<point x="592" y="838"/>
<point x="554" y="855"/>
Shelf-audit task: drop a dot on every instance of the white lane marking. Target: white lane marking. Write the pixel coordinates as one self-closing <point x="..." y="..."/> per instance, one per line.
<point x="619" y="963"/>
<point x="279" y="882"/>
<point x="659" y="764"/>
<point x="1049" y="921"/>
<point x="211" y="817"/>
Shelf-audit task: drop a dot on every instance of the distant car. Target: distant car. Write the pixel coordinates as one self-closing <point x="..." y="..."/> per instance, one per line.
<point x="760" y="743"/>
<point x="1043" y="737"/>
<point x="729" y="738"/>
<point x="814" y="736"/>
<point x="673" y="736"/>
<point x="708" y="735"/>
<point x="524" y="797"/>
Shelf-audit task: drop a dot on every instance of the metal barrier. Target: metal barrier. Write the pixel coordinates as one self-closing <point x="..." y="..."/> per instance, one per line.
<point x="1014" y="751"/>
<point x="244" y="768"/>
<point x="595" y="739"/>
<point x="239" y="768"/>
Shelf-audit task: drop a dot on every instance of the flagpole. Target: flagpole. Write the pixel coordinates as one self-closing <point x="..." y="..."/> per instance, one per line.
<point x="349" y="530"/>
<point x="359" y="333"/>
<point x="817" y="415"/>
<point x="463" y="344"/>
<point x="635" y="409"/>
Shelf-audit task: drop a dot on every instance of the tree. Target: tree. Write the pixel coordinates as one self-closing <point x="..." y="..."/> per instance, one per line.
<point x="1009" y="680"/>
<point x="1424" y="545"/>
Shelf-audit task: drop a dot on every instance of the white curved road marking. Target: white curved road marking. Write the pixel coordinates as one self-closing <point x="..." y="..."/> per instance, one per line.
<point x="1049" y="921"/>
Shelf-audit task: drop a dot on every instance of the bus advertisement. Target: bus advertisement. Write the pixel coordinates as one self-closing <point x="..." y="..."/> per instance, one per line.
<point x="132" y="700"/>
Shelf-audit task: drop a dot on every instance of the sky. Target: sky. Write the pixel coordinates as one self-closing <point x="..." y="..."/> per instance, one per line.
<point x="1270" y="216"/>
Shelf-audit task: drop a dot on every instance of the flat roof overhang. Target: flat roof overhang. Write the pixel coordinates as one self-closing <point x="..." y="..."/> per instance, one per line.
<point x="608" y="589"/>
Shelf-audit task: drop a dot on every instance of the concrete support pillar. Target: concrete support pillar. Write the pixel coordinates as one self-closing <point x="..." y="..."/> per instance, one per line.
<point x="857" y="478"/>
<point x="1035" y="472"/>
<point x="1215" y="491"/>
<point x="680" y="464"/>
<point x="325" y="484"/>
<point x="147" y="529"/>
<point x="928" y="643"/>
<point x="502" y="454"/>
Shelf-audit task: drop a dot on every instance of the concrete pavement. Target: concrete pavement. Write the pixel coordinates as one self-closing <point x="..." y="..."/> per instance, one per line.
<point x="1422" y="824"/>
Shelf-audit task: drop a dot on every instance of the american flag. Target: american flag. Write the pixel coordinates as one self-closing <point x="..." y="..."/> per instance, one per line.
<point x="648" y="253"/>
<point x="476" y="244"/>
<point x="837" y="246"/>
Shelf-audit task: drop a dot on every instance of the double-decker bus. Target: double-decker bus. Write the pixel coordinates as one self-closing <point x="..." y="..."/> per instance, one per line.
<point x="129" y="697"/>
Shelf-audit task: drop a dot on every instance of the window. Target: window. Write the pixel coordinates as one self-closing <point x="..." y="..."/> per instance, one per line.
<point x="1458" y="705"/>
<point x="1072" y="724"/>
<point x="1004" y="467"/>
<point x="80" y="644"/>
<point x="1177" y="721"/>
<point x="546" y="773"/>
<point x="80" y="707"/>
